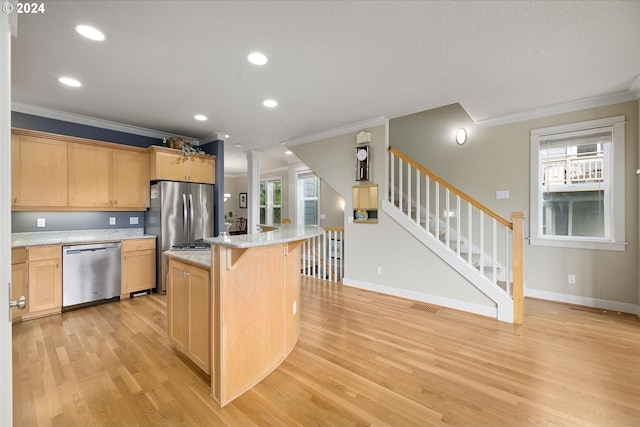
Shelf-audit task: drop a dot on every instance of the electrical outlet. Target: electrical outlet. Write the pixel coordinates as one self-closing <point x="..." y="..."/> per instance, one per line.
<point x="378" y="270"/>
<point x="40" y="222"/>
<point x="571" y="279"/>
<point x="502" y="194"/>
<point x="112" y="220"/>
<point x="133" y="220"/>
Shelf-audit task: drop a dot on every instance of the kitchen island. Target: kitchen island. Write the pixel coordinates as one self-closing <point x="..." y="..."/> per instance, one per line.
<point x="240" y="318"/>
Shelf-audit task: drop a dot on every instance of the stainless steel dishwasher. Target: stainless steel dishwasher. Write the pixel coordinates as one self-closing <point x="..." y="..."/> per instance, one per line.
<point x="90" y="274"/>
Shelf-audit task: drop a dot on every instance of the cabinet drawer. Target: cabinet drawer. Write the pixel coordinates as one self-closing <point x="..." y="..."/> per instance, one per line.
<point x="37" y="253"/>
<point x="18" y="255"/>
<point x="138" y="244"/>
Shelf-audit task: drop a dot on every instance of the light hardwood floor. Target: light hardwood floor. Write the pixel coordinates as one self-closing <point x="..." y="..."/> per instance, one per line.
<point x="362" y="359"/>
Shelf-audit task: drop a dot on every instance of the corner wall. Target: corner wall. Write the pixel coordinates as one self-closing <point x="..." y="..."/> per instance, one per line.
<point x="408" y="268"/>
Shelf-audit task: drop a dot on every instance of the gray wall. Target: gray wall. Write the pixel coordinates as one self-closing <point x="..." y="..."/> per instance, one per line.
<point x="23" y="222"/>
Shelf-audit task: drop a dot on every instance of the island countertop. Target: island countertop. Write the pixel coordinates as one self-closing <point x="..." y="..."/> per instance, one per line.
<point x="283" y="233"/>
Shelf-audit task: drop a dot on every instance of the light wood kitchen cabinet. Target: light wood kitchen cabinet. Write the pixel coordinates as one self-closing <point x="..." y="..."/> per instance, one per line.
<point x="109" y="178"/>
<point x="45" y="280"/>
<point x="189" y="312"/>
<point x="365" y="203"/>
<point x="138" y="266"/>
<point x="39" y="172"/>
<point x="169" y="164"/>
<point x="19" y="281"/>
<point x="131" y="179"/>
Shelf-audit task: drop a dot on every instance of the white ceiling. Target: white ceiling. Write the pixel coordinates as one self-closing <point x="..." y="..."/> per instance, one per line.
<point x="331" y="63"/>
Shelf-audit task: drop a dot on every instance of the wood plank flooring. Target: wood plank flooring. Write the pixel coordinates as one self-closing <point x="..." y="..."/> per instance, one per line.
<point x="362" y="359"/>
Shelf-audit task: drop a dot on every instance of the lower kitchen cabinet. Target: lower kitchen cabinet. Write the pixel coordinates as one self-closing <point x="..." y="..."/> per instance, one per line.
<point x="138" y="266"/>
<point x="45" y="280"/>
<point x="189" y="312"/>
<point x="19" y="284"/>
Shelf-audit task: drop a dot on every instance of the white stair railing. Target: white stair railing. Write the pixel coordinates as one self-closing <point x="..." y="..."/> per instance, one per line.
<point x="486" y="241"/>
<point x="322" y="255"/>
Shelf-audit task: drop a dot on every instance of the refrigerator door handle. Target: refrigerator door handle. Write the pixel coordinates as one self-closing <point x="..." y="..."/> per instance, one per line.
<point x="191" y="236"/>
<point x="184" y="213"/>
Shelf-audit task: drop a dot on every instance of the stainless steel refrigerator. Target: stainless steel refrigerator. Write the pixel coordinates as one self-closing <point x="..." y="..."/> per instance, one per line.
<point x="179" y="213"/>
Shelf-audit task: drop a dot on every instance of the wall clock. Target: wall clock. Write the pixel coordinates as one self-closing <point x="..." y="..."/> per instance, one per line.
<point x="362" y="163"/>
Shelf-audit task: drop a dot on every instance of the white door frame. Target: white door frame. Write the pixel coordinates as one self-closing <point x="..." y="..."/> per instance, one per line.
<point x="6" y="384"/>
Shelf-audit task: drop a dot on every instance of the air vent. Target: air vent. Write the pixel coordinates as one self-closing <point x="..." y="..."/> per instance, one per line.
<point x="426" y="308"/>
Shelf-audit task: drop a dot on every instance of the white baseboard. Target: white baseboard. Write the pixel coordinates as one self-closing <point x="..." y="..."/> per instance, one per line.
<point x="622" y="307"/>
<point x="482" y="310"/>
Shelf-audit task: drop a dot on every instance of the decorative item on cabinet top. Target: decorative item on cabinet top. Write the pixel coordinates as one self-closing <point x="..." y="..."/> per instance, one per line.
<point x="186" y="147"/>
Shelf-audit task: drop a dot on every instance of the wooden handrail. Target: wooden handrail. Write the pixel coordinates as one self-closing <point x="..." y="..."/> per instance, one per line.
<point x="336" y="229"/>
<point x="451" y="187"/>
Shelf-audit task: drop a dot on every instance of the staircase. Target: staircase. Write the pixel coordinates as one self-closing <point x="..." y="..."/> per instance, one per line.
<point x="481" y="245"/>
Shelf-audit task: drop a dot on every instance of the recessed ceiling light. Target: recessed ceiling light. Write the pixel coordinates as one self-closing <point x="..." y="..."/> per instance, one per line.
<point x="256" y="58"/>
<point x="270" y="103"/>
<point x="69" y="82"/>
<point x="288" y="152"/>
<point x="200" y="117"/>
<point x="90" y="32"/>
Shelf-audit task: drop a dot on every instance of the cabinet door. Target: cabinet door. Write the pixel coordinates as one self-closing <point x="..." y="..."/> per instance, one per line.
<point x="200" y="169"/>
<point x="19" y="287"/>
<point x="138" y="271"/>
<point x="90" y="176"/>
<point x="178" y="305"/>
<point x="131" y="179"/>
<point x="45" y="285"/>
<point x="167" y="166"/>
<point x="39" y="172"/>
<point x="199" y="349"/>
<point x="365" y="197"/>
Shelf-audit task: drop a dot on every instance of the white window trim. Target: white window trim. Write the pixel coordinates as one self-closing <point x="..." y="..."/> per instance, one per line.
<point x="616" y="240"/>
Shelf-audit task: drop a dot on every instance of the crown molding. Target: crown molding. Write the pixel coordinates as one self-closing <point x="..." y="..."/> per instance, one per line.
<point x="91" y="121"/>
<point x="632" y="94"/>
<point x="377" y="121"/>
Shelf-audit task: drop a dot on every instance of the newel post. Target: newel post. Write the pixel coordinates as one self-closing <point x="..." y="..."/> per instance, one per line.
<point x="517" y="237"/>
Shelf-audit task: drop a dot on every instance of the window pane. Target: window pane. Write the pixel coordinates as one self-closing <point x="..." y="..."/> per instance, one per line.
<point x="579" y="213"/>
<point x="263" y="219"/>
<point x="263" y="193"/>
<point x="310" y="188"/>
<point x="277" y="193"/>
<point x="276" y="216"/>
<point x="310" y="212"/>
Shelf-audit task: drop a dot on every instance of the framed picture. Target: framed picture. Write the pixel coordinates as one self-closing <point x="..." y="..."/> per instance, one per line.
<point x="243" y="200"/>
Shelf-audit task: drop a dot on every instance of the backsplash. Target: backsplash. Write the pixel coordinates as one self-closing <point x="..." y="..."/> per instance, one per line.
<point x="24" y="222"/>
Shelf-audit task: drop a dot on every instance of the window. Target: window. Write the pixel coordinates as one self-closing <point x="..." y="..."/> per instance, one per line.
<point x="577" y="185"/>
<point x="308" y="198"/>
<point x="271" y="201"/>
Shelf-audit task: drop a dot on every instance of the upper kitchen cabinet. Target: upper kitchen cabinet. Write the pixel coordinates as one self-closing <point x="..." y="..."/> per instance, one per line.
<point x="38" y="172"/>
<point x="169" y="164"/>
<point x="59" y="172"/>
<point x="108" y="178"/>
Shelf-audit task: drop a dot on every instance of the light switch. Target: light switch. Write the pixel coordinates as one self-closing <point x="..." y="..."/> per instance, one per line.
<point x="40" y="222"/>
<point x="502" y="194"/>
<point x="133" y="220"/>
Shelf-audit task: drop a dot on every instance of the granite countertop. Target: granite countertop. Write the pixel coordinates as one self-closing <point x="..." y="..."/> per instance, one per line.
<point x="282" y="234"/>
<point x="76" y="237"/>
<point x="197" y="257"/>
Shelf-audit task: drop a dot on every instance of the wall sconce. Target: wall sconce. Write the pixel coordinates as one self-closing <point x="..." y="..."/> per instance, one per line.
<point x="226" y="196"/>
<point x="342" y="205"/>
<point x="461" y="136"/>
